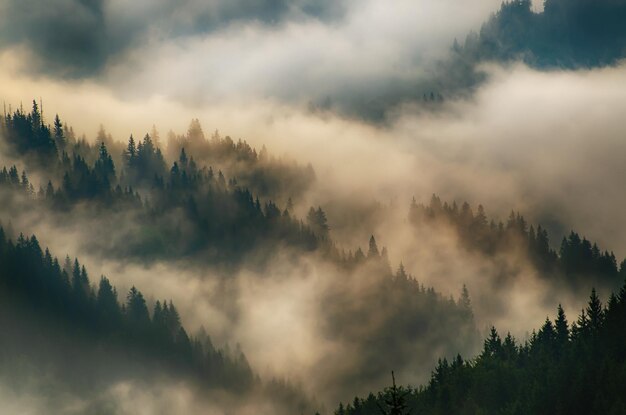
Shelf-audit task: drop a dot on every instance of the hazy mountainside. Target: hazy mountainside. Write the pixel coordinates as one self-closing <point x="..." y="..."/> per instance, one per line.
<point x="577" y="368"/>
<point x="184" y="210"/>
<point x="189" y="211"/>
<point x="291" y="261"/>
<point x="263" y="173"/>
<point x="141" y="163"/>
<point x="567" y="34"/>
<point x="57" y="324"/>
<point x="387" y="320"/>
<point x="577" y="263"/>
<point x="211" y="218"/>
<point x="129" y="341"/>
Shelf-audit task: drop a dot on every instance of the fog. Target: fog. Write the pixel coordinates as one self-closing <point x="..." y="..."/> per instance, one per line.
<point x="308" y="81"/>
<point x="158" y="397"/>
<point x="198" y="52"/>
<point x="514" y="145"/>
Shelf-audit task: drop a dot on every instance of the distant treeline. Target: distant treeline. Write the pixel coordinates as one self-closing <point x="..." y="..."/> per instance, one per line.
<point x="37" y="290"/>
<point x="186" y="210"/>
<point x="177" y="211"/>
<point x="191" y="210"/>
<point x="567" y="34"/>
<point x="577" y="260"/>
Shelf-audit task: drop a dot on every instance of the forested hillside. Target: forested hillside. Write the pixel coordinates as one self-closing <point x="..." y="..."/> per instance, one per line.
<point x="179" y="210"/>
<point x="191" y="211"/>
<point x="61" y="325"/>
<point x="574" y="262"/>
<point x="321" y="207"/>
<point x="36" y="284"/>
<point x="564" y="368"/>
<point x="566" y="34"/>
<point x="209" y="217"/>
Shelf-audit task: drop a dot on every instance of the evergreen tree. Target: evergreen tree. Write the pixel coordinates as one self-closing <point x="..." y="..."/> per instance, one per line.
<point x="131" y="152"/>
<point x="59" y="136"/>
<point x="394" y="401"/>
<point x="464" y="301"/>
<point x="136" y="309"/>
<point x="561" y="326"/>
<point x="595" y="313"/>
<point x="373" y="249"/>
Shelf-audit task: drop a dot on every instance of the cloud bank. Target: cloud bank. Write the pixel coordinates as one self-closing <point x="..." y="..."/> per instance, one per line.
<point x="353" y="57"/>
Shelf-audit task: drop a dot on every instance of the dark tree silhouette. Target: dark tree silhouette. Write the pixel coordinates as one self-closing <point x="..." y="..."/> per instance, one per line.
<point x="556" y="371"/>
<point x="394" y="401"/>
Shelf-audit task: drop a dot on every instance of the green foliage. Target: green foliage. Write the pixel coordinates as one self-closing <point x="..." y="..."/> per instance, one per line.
<point x="222" y="220"/>
<point x="394" y="400"/>
<point x="552" y="373"/>
<point x="35" y="287"/>
<point x="566" y="34"/>
<point x="27" y="134"/>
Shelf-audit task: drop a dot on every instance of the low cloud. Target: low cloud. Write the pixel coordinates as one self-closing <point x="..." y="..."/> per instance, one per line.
<point x="546" y="144"/>
<point x="79" y="38"/>
<point x="357" y="58"/>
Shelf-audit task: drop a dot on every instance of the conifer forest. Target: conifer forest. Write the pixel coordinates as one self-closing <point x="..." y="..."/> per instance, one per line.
<point x="224" y="207"/>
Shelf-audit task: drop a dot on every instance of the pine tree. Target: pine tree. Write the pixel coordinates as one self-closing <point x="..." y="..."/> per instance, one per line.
<point x="107" y="301"/>
<point x="373" y="248"/>
<point x="59" y="137"/>
<point x="493" y="344"/>
<point x="136" y="309"/>
<point x="104" y="167"/>
<point x="172" y="319"/>
<point x="464" y="301"/>
<point x="561" y="326"/>
<point x="401" y="274"/>
<point x="395" y="400"/>
<point x="183" y="158"/>
<point x="595" y="312"/>
<point x="130" y="154"/>
<point x="316" y="219"/>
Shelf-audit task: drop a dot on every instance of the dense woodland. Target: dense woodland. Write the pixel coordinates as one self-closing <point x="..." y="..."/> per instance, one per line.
<point x="178" y="211"/>
<point x="213" y="202"/>
<point x="577" y="368"/>
<point x="192" y="209"/>
<point x="127" y="339"/>
<point x="57" y="323"/>
<point x="62" y="295"/>
<point x="565" y="34"/>
<point x="264" y="174"/>
<point x="577" y="261"/>
<point x="235" y="283"/>
<point x="402" y="322"/>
